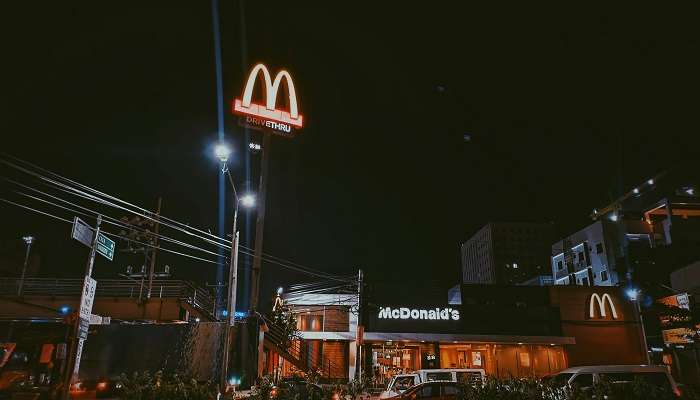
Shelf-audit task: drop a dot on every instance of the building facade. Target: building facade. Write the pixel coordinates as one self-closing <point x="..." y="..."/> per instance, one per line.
<point x="588" y="257"/>
<point x="506" y="253"/>
<point x="519" y="331"/>
<point x="327" y="325"/>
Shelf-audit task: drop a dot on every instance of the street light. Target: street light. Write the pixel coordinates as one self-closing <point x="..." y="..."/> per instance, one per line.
<point x="28" y="240"/>
<point x="635" y="295"/>
<point x="222" y="152"/>
<point x="248" y="200"/>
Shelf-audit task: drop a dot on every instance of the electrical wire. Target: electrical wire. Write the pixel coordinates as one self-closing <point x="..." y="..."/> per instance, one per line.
<point x="245" y="252"/>
<point x="222" y="242"/>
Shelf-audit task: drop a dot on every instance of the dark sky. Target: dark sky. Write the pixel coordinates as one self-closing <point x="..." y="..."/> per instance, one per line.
<point x="562" y="104"/>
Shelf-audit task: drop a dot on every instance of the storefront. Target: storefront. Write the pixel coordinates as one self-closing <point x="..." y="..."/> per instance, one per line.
<point x="513" y="331"/>
<point x="507" y="331"/>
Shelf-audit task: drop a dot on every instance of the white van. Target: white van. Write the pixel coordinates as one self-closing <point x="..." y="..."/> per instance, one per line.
<point x="399" y="383"/>
<point x="586" y="377"/>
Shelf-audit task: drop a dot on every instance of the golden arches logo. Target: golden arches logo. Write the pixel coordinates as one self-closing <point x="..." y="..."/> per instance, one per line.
<point x="601" y="301"/>
<point x="269" y="110"/>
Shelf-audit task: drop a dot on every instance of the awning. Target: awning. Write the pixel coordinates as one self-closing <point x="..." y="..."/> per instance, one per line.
<point x="458" y="338"/>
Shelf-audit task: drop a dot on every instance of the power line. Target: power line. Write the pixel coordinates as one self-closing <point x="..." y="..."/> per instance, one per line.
<point x="245" y="252"/>
<point x="77" y="192"/>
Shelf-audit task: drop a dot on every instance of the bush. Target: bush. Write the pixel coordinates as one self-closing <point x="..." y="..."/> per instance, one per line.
<point x="536" y="389"/>
<point x="158" y="386"/>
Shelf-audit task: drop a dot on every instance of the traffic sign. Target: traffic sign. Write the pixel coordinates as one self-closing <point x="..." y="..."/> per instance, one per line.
<point x="78" y="354"/>
<point x="105" y="246"/>
<point x="87" y="298"/>
<point x="83" y="327"/>
<point x="82" y="232"/>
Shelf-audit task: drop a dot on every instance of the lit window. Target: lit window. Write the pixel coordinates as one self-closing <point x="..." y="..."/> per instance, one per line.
<point x="515" y="265"/>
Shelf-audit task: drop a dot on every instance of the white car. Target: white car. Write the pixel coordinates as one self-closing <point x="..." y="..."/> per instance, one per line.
<point x="585" y="377"/>
<point x="400" y="383"/>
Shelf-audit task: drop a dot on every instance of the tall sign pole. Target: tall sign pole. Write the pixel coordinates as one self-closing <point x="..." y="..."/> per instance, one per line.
<point x="260" y="223"/>
<point x="86" y="299"/>
<point x="105" y="246"/>
<point x="270" y="119"/>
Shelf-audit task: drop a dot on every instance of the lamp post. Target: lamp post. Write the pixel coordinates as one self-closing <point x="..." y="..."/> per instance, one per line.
<point x="222" y="153"/>
<point x="635" y="295"/>
<point x="28" y="240"/>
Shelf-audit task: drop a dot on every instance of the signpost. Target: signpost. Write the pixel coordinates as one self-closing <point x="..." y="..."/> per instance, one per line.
<point x="98" y="243"/>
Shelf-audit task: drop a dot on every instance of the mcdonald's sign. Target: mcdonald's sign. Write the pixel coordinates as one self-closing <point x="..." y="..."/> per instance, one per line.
<point x="601" y="302"/>
<point x="268" y="116"/>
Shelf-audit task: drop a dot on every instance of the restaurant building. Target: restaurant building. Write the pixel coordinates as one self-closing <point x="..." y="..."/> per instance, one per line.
<point x="508" y="331"/>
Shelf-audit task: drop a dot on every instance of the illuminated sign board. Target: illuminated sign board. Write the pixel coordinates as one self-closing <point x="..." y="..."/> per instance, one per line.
<point x="601" y="301"/>
<point x="268" y="117"/>
<point x="435" y="314"/>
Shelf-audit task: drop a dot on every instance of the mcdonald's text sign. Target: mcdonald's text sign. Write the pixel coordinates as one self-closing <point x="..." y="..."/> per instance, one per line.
<point x="268" y="116"/>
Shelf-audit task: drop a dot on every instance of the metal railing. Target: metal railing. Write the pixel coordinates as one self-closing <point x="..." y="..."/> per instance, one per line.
<point x="303" y="354"/>
<point x="183" y="290"/>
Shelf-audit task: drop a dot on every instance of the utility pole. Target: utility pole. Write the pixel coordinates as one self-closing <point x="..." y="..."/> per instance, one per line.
<point x="154" y="250"/>
<point x="360" y="327"/>
<point x="231" y="306"/>
<point x="28" y="240"/>
<point x="260" y="224"/>
<point x="76" y="343"/>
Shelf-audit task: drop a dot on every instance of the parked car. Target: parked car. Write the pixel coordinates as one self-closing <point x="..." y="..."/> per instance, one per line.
<point x="437" y="390"/>
<point x="587" y="376"/>
<point x="399" y="383"/>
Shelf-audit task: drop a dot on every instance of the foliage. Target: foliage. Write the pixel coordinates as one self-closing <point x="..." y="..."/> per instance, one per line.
<point x="158" y="386"/>
<point x="263" y="390"/>
<point x="535" y="389"/>
<point x="283" y="317"/>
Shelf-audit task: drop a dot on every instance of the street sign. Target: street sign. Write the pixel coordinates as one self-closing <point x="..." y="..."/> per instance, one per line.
<point x="78" y="354"/>
<point x="99" y="320"/>
<point x="82" y="232"/>
<point x="61" y="350"/>
<point x="87" y="298"/>
<point x="105" y="246"/>
<point x="83" y="328"/>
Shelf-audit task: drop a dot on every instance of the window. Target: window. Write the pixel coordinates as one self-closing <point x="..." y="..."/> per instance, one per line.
<point x="450" y="391"/>
<point x="427" y="392"/>
<point x="603" y="276"/>
<point x="657" y="379"/>
<point x="438" y="376"/>
<point x="560" y="265"/>
<point x="599" y="248"/>
<point x="561" y="379"/>
<point x="584" y="281"/>
<point x="583" y="380"/>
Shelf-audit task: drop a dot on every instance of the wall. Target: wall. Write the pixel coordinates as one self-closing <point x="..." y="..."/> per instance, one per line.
<point x="599" y="340"/>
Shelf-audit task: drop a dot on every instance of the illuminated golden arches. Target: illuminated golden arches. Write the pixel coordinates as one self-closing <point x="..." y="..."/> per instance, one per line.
<point x="596" y="299"/>
<point x="271" y="89"/>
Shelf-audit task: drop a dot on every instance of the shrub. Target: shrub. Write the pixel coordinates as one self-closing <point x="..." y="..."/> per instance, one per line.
<point x="158" y="386"/>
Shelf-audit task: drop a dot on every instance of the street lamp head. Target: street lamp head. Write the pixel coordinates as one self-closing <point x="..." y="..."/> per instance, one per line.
<point x="280" y="290"/>
<point x="633" y="293"/>
<point x="247" y="200"/>
<point x="222" y="152"/>
<point x="28" y="239"/>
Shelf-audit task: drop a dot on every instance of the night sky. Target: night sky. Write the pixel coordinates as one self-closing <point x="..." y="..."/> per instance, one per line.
<point x="564" y="108"/>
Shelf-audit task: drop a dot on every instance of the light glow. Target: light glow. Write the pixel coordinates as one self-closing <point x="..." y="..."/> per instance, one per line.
<point x="247" y="200"/>
<point x="222" y="152"/>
